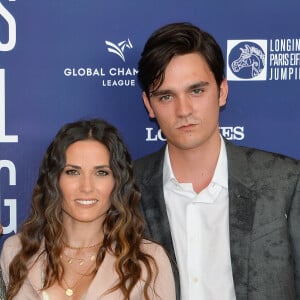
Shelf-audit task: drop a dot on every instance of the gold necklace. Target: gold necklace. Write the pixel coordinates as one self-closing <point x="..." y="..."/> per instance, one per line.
<point x="80" y="248"/>
<point x="69" y="291"/>
<point x="81" y="261"/>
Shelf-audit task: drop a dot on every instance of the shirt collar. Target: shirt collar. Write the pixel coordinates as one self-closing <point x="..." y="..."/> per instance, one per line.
<point x="220" y="176"/>
<point x="221" y="172"/>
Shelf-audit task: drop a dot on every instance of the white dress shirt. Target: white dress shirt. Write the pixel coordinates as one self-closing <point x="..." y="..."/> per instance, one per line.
<point x="200" y="232"/>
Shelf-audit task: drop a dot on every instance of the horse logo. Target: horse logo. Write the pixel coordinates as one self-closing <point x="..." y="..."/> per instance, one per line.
<point x="119" y="48"/>
<point x="247" y="61"/>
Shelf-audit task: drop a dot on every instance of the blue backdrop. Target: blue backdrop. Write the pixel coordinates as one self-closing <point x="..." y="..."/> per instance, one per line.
<point x="65" y="60"/>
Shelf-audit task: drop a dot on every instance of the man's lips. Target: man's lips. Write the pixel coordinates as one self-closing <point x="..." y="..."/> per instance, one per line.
<point x="186" y="126"/>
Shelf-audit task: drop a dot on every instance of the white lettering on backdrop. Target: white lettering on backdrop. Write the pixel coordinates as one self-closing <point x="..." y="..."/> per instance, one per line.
<point x="7" y="164"/>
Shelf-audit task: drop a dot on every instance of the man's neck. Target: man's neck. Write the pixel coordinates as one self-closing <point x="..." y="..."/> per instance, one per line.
<point x="196" y="166"/>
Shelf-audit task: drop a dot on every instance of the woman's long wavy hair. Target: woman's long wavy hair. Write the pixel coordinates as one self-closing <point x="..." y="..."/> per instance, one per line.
<point x="123" y="226"/>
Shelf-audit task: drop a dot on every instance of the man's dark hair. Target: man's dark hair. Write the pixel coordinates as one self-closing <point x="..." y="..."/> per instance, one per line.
<point x="177" y="39"/>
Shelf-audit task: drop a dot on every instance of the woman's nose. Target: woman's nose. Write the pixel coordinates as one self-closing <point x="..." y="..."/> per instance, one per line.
<point x="86" y="184"/>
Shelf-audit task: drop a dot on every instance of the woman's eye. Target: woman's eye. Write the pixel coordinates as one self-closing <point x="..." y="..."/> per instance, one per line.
<point x="72" y="172"/>
<point x="102" y="173"/>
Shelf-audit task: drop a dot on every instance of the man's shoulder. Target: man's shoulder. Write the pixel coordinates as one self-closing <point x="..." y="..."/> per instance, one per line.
<point x="255" y="156"/>
<point x="148" y="160"/>
<point x="149" y="167"/>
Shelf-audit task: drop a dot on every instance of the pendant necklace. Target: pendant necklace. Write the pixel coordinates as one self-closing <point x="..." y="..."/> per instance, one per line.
<point x="69" y="291"/>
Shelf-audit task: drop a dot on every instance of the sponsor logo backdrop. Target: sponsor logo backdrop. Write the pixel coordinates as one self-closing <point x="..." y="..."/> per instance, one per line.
<point x="65" y="60"/>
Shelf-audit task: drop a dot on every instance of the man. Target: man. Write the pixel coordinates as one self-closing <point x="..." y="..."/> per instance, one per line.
<point x="228" y="216"/>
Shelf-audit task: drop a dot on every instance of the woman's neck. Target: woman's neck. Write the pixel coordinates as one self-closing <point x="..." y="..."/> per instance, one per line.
<point x="82" y="235"/>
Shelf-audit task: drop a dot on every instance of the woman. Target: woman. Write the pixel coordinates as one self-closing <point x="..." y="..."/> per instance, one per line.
<point x="84" y="236"/>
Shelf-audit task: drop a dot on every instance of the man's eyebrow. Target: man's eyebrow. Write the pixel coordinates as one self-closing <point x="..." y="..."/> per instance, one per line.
<point x="161" y="92"/>
<point x="198" y="85"/>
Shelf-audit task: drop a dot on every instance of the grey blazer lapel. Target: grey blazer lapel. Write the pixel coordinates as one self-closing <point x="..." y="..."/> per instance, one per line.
<point x="154" y="208"/>
<point x="242" y="199"/>
<point x="153" y="204"/>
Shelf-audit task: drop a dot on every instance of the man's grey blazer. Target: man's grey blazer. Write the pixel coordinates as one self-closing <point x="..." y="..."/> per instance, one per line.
<point x="2" y="287"/>
<point x="264" y="217"/>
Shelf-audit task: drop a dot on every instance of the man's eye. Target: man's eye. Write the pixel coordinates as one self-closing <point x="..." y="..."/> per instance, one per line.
<point x="165" y="98"/>
<point x="197" y="91"/>
<point x="72" y="172"/>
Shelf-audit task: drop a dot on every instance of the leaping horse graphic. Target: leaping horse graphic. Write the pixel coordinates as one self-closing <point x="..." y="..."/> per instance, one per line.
<point x="119" y="48"/>
<point x="251" y="57"/>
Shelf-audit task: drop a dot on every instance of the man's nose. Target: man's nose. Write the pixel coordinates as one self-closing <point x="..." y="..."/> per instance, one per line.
<point x="183" y="106"/>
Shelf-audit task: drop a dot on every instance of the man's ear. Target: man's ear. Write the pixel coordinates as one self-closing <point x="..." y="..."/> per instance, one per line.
<point x="223" y="92"/>
<point x="148" y="105"/>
